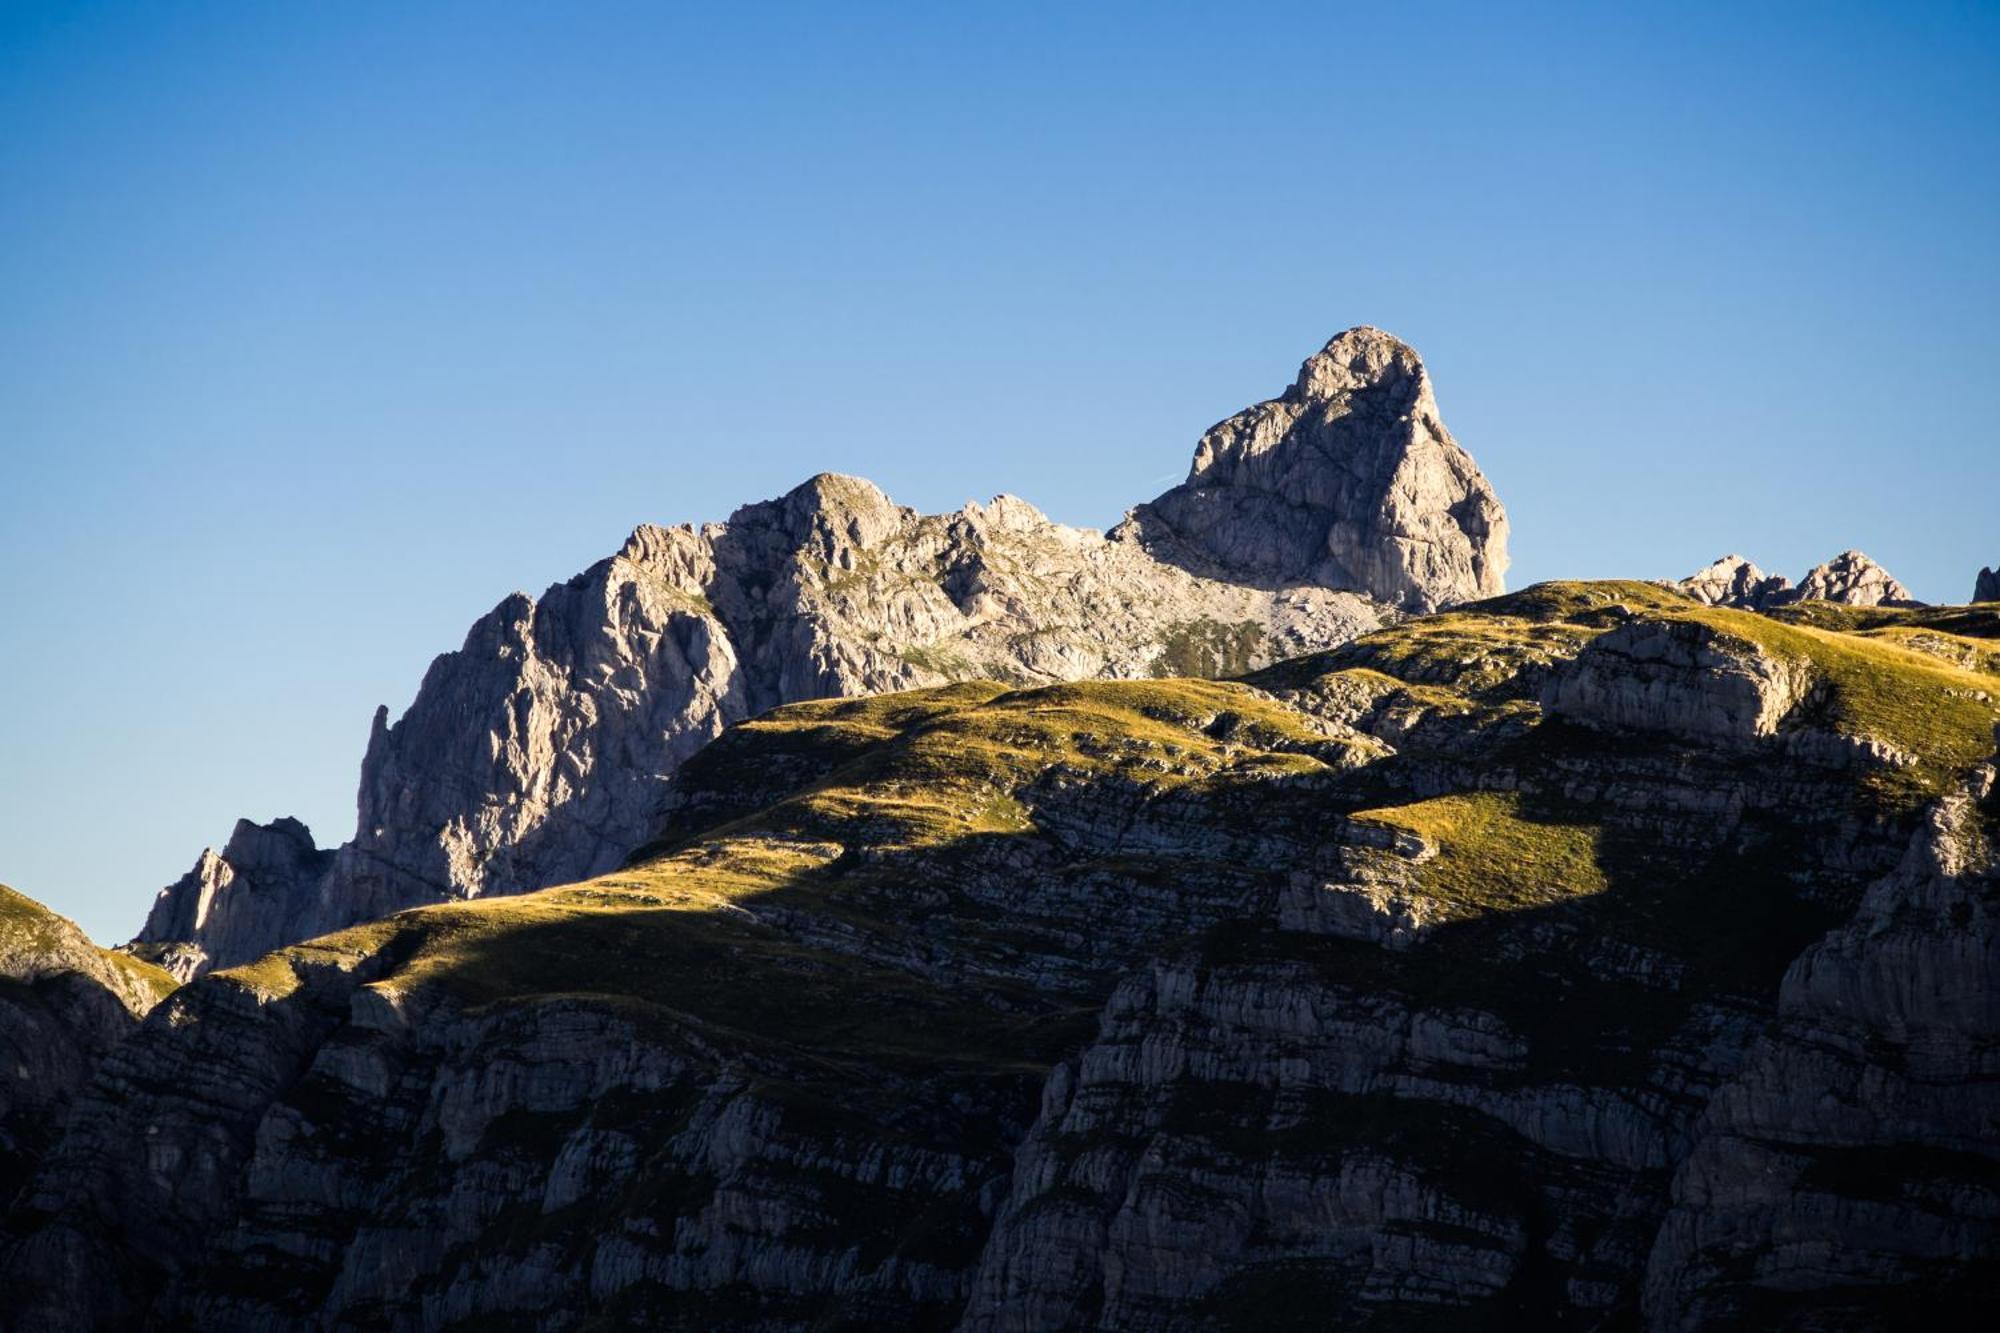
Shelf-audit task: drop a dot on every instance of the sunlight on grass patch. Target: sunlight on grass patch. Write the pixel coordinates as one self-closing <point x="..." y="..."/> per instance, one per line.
<point x="1489" y="856"/>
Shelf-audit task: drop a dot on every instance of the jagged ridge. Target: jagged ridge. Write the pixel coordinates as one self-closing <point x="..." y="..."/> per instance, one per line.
<point x="537" y="753"/>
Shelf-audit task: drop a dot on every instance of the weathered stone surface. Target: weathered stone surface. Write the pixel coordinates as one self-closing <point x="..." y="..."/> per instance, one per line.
<point x="224" y="903"/>
<point x="1360" y="993"/>
<point x="1850" y="578"/>
<point x="64" y="1004"/>
<point x="537" y="752"/>
<point x="1680" y="677"/>
<point x="1848" y="1176"/>
<point x="1986" y="588"/>
<point x="1348" y="479"/>
<point x="1734" y="581"/>
<point x="1854" y="579"/>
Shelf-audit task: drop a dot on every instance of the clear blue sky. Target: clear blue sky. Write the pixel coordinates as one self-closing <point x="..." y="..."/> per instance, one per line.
<point x="322" y="327"/>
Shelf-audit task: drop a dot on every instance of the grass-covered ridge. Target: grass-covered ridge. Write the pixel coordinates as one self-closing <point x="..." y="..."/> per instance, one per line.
<point x="1941" y="715"/>
<point x="37" y="941"/>
<point x="839" y="850"/>
<point x="860" y="813"/>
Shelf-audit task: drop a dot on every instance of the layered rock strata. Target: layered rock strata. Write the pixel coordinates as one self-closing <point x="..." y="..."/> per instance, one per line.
<point x="1588" y="958"/>
<point x="64" y="1004"/>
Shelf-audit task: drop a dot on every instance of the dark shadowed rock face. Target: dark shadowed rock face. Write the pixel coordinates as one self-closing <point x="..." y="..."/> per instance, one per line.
<point x="1348" y="479"/>
<point x="538" y="752"/>
<point x="1586" y="958"/>
<point x="1986" y="588"/>
<point x="64" y="1004"/>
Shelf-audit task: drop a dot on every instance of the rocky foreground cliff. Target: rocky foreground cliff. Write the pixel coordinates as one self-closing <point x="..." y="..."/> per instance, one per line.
<point x="64" y="1004"/>
<point x="537" y="753"/>
<point x="1585" y="958"/>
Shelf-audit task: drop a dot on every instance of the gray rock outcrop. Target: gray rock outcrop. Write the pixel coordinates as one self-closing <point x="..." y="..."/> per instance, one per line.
<point x="1679" y="677"/>
<point x="1850" y="1164"/>
<point x="1348" y="479"/>
<point x="1734" y="581"/>
<point x="222" y="905"/>
<point x="1855" y="580"/>
<point x="1986" y="588"/>
<point x="1850" y="578"/>
<point x="537" y="753"/>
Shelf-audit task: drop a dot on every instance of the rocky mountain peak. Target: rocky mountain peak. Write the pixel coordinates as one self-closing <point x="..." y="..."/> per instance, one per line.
<point x="1986" y="588"/>
<point x="1733" y="580"/>
<point x="847" y="510"/>
<point x="1348" y="479"/>
<point x="1853" y="578"/>
<point x="539" y="751"/>
<point x="1850" y="578"/>
<point x="1363" y="359"/>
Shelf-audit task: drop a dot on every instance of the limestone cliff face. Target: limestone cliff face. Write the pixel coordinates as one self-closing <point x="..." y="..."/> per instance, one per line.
<point x="1848" y="1172"/>
<point x="1348" y="479"/>
<point x="537" y="753"/>
<point x="1589" y="958"/>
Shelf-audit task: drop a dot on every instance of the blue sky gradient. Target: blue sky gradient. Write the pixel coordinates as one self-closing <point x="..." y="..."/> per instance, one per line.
<point x="324" y="327"/>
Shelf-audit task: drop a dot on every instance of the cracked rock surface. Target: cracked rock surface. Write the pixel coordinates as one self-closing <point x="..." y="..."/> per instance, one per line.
<point x="538" y="752"/>
<point x="1585" y="958"/>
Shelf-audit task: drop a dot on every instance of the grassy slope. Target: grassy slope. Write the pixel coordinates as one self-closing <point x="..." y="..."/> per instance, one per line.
<point x="802" y="804"/>
<point x="929" y="773"/>
<point x="32" y="934"/>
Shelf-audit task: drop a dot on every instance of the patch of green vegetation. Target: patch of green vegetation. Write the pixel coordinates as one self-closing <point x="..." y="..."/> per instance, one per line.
<point x="1602" y="601"/>
<point x="1208" y="648"/>
<point x="1490" y="855"/>
<point x="940" y="661"/>
<point x="147" y="980"/>
<point x="1939" y="715"/>
<point x="1487" y="651"/>
<point x="28" y="929"/>
<point x="27" y="926"/>
<point x="1975" y="622"/>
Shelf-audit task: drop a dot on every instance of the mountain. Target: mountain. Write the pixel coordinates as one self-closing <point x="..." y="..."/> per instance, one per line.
<point x="1850" y="578"/>
<point x="1347" y="480"/>
<point x="538" y="752"/>
<point x="1986" y="588"/>
<point x="1582" y="958"/>
<point x="64" y="1004"/>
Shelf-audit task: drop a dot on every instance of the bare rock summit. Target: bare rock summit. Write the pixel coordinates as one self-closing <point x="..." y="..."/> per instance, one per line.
<point x="1348" y="479"/>
<point x="1986" y="588"/>
<point x="1735" y="581"/>
<point x="1850" y="578"/>
<point x="1854" y="579"/>
<point x="540" y="752"/>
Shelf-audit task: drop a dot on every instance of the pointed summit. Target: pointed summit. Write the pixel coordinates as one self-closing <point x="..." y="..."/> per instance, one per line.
<point x="1850" y="577"/>
<point x="1348" y="479"/>
<point x="1734" y="581"/>
<point x="1853" y="578"/>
